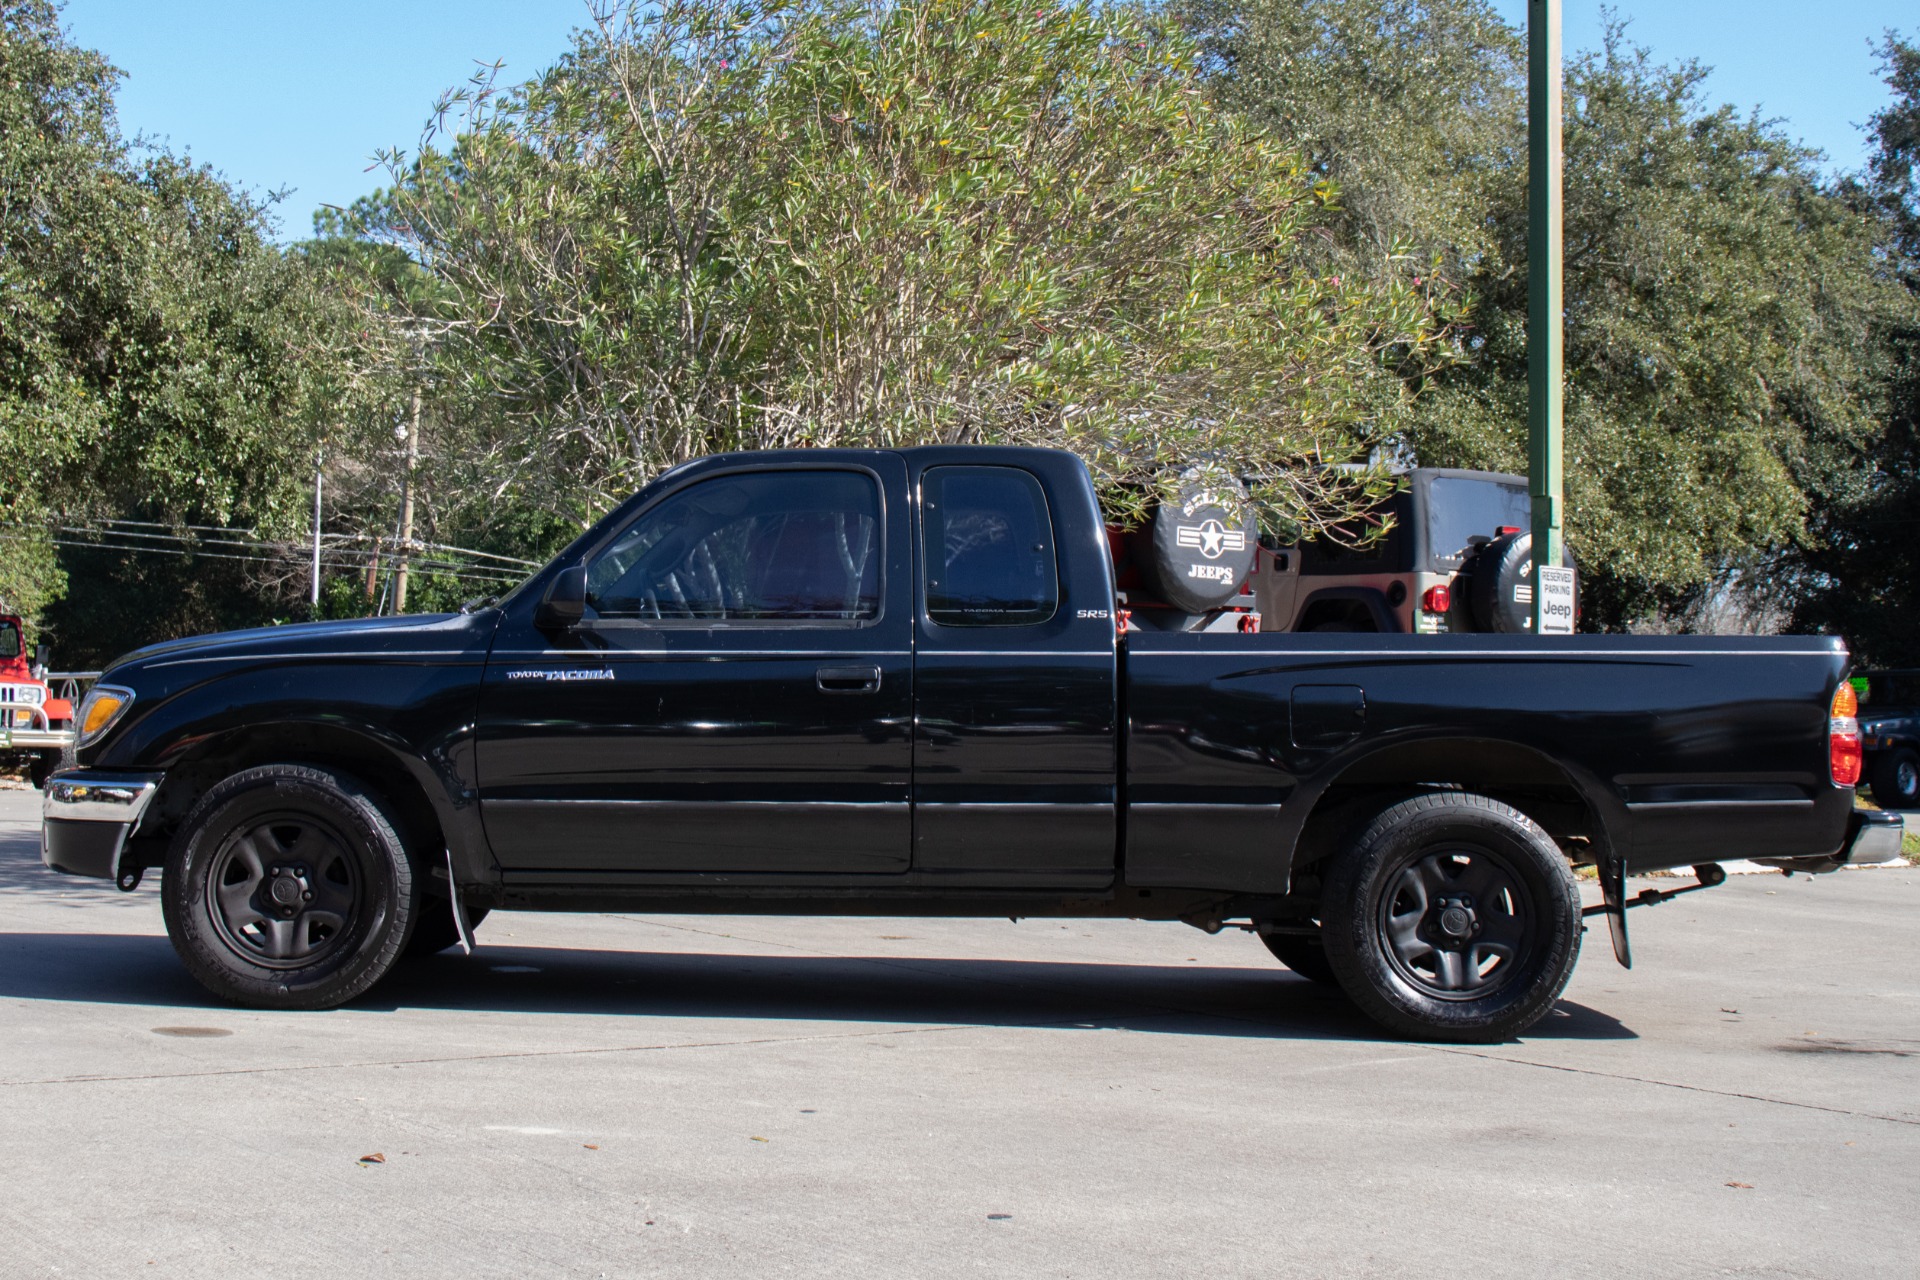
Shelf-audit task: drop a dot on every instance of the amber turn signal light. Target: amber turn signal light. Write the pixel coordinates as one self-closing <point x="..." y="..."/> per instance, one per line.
<point x="102" y="707"/>
<point x="1843" y="737"/>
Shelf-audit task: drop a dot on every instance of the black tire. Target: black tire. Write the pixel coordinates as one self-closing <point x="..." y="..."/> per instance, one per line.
<point x="1304" y="955"/>
<point x="288" y="887"/>
<point x="1452" y="917"/>
<point x="1500" y="584"/>
<point x="433" y="932"/>
<point x="1896" y="779"/>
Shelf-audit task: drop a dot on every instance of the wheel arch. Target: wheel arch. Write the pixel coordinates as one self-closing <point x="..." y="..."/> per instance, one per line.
<point x="1336" y="603"/>
<point x="431" y="809"/>
<point x="1574" y="807"/>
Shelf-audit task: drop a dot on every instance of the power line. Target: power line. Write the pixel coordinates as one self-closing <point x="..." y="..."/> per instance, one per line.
<point x="349" y="561"/>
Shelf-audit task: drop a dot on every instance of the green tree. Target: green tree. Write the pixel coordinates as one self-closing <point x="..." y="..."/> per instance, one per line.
<point x="727" y="225"/>
<point x="159" y="357"/>
<point x="1416" y="108"/>
<point x="1721" y="306"/>
<point x="1859" y="575"/>
<point x="1722" y="302"/>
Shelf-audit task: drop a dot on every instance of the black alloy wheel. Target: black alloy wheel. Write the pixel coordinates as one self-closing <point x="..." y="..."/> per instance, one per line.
<point x="1452" y="916"/>
<point x="288" y="887"/>
<point x="1896" y="779"/>
<point x="1457" y="923"/>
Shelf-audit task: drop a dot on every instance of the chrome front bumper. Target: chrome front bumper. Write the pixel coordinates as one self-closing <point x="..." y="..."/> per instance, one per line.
<point x="86" y="818"/>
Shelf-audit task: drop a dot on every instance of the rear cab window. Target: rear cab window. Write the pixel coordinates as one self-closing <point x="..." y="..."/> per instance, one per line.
<point x="989" y="548"/>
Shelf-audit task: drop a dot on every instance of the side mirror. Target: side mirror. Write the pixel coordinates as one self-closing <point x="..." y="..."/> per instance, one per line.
<point x="565" y="602"/>
<point x="42" y="658"/>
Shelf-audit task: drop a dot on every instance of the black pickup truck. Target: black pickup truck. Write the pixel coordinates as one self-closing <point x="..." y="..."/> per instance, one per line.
<point x="896" y="683"/>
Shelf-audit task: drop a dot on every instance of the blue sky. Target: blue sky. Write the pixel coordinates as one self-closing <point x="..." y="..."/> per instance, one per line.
<point x="293" y="93"/>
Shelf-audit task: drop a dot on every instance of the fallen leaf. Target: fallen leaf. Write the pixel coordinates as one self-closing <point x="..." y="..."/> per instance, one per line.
<point x="375" y="1158"/>
<point x="1744" y="1186"/>
<point x="1726" y="1010"/>
<point x="756" y="1139"/>
<point x="591" y="1146"/>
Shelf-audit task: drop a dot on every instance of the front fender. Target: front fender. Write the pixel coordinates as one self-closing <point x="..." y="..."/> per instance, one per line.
<point x="405" y="727"/>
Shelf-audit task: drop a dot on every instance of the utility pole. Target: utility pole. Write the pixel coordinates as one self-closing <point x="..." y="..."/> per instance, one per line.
<point x="406" y="506"/>
<point x="319" y="474"/>
<point x="1553" y="585"/>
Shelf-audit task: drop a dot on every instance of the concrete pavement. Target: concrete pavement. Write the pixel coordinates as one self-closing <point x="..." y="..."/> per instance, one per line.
<point x="618" y="1096"/>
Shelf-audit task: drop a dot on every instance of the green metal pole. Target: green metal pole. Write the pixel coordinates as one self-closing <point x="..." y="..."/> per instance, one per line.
<point x="1543" y="287"/>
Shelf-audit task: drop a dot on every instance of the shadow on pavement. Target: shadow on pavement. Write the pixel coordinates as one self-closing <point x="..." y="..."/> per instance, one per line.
<point x="141" y="969"/>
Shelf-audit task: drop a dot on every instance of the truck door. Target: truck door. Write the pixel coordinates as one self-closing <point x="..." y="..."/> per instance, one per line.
<point x="1015" y="747"/>
<point x="737" y="697"/>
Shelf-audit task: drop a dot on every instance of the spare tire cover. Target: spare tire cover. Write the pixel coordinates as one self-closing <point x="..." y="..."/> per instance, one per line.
<point x="1501" y="594"/>
<point x="1200" y="552"/>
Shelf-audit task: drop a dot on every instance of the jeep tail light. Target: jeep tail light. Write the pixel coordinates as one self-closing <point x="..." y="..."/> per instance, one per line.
<point x="1843" y="737"/>
<point x="1438" y="599"/>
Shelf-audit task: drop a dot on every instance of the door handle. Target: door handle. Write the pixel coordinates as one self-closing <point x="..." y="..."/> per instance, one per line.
<point x="848" y="679"/>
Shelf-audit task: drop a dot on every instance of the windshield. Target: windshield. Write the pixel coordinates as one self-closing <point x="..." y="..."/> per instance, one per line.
<point x="9" y="640"/>
<point x="1459" y="508"/>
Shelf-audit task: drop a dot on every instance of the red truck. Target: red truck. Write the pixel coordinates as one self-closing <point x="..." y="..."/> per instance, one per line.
<point x="36" y="728"/>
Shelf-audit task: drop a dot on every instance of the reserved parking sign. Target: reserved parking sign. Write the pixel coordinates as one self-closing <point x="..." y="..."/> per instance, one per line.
<point x="1556" y="601"/>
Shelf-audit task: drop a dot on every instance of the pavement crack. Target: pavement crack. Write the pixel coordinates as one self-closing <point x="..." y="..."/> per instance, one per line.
<point x="488" y="1057"/>
<point x="1672" y="1084"/>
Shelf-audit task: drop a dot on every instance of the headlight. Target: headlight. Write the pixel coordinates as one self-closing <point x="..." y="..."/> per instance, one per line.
<point x="105" y="703"/>
<point x="31" y="694"/>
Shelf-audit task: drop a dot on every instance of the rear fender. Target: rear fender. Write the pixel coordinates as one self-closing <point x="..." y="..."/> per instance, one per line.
<point x="1502" y="767"/>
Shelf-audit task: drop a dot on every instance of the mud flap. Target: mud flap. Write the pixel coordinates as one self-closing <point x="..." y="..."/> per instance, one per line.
<point x="1613" y="889"/>
<point x="460" y="925"/>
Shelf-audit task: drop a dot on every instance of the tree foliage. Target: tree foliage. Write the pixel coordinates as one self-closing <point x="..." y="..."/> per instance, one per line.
<point x="1860" y="575"/>
<point x="765" y="224"/>
<point x="1723" y="303"/>
<point x="158" y="355"/>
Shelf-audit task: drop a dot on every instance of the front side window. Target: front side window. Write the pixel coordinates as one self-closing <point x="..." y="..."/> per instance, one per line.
<point x="9" y="640"/>
<point x="765" y="547"/>
<point x="989" y="548"/>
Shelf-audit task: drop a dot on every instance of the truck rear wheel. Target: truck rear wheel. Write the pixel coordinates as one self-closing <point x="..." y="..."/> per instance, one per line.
<point x="1305" y="956"/>
<point x="1896" y="779"/>
<point x="1452" y="917"/>
<point x="288" y="887"/>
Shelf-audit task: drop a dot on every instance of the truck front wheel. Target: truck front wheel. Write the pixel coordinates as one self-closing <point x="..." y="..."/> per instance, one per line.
<point x="288" y="887"/>
<point x="1452" y="917"/>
